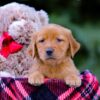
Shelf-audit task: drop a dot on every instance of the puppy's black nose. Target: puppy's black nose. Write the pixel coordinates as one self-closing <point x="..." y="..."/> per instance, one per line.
<point x="49" y="51"/>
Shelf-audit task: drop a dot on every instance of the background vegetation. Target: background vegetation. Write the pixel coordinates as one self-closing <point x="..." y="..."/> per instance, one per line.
<point x="83" y="18"/>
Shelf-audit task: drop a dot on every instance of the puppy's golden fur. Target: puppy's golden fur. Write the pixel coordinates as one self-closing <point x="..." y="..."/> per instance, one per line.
<point x="57" y="64"/>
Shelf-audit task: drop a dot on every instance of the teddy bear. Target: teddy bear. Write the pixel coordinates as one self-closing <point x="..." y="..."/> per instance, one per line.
<point x="17" y="23"/>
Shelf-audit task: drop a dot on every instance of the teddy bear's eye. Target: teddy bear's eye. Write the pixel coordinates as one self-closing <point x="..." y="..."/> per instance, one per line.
<point x="41" y="41"/>
<point x="14" y="18"/>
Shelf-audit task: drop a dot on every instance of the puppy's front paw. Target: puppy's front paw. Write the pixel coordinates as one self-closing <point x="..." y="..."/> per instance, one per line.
<point x="36" y="79"/>
<point x="73" y="81"/>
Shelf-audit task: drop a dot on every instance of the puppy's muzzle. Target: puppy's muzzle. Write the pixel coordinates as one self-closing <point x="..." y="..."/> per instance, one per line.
<point x="49" y="52"/>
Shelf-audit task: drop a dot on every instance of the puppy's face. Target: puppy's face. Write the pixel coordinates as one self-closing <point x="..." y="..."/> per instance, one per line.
<point x="53" y="43"/>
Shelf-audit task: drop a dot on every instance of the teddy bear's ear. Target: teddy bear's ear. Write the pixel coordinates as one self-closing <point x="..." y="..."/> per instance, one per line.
<point x="74" y="46"/>
<point x="31" y="50"/>
<point x="43" y="16"/>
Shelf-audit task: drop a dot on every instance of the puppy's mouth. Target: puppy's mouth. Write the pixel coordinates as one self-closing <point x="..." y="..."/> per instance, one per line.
<point x="50" y="58"/>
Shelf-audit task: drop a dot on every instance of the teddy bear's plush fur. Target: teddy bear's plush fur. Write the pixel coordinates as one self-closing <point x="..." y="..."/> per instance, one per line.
<point x="20" y="21"/>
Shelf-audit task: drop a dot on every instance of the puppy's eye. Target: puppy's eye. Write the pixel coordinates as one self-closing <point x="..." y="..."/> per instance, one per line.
<point x="41" y="41"/>
<point x="59" y="40"/>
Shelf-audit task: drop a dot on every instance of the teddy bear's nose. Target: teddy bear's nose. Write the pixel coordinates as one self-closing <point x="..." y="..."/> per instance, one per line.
<point x="49" y="51"/>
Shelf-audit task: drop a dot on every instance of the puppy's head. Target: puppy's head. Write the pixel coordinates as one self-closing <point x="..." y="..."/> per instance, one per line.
<point x="53" y="43"/>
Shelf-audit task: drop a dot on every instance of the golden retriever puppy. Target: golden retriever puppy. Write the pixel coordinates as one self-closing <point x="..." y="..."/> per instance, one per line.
<point x="52" y="49"/>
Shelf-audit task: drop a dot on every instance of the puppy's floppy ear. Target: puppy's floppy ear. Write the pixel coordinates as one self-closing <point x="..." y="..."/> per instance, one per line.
<point x="31" y="50"/>
<point x="74" y="46"/>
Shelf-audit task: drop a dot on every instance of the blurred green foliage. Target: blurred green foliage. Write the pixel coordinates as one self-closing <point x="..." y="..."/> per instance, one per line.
<point x="83" y="18"/>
